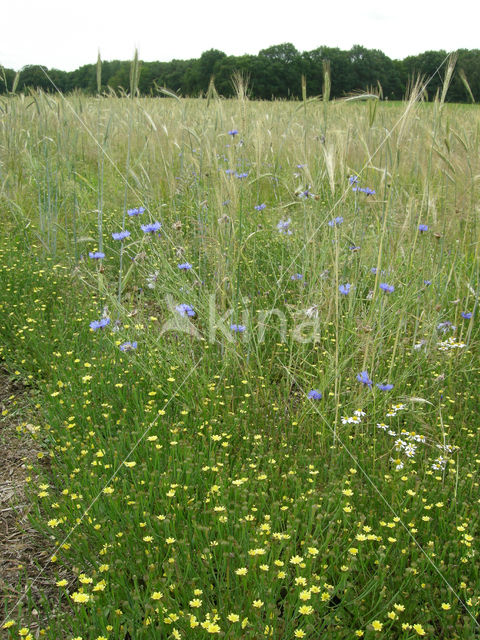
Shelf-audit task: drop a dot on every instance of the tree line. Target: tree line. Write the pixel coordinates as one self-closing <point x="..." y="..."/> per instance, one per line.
<point x="276" y="72"/>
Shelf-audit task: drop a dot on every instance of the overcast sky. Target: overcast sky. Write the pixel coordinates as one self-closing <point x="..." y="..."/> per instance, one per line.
<point x="66" y="34"/>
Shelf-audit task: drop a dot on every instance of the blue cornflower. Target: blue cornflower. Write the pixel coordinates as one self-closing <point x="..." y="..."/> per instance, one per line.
<point x="423" y="227"/>
<point x="229" y="172"/>
<point x="385" y="387"/>
<point x="136" y="212"/>
<point x="283" y="226"/>
<point x="259" y="207"/>
<point x="151" y="227"/>
<point x="353" y="179"/>
<point x="238" y="328"/>
<point x="185" y="266"/>
<point x="368" y="191"/>
<point x="466" y="314"/>
<point x="354" y="247"/>
<point x="389" y="288"/>
<point x="99" y="324"/>
<point x="345" y="288"/>
<point x="128" y="346"/>
<point x="241" y="175"/>
<point x="335" y="222"/>
<point x="185" y="310"/>
<point x="445" y="326"/>
<point x="427" y="283"/>
<point x="121" y="235"/>
<point x="296" y="276"/>
<point x="233" y="132"/>
<point x="373" y="270"/>
<point x="364" y="378"/>
<point x="96" y="255"/>
<point x="314" y="395"/>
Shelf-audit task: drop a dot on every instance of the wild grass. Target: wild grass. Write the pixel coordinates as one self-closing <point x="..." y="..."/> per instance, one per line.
<point x="194" y="488"/>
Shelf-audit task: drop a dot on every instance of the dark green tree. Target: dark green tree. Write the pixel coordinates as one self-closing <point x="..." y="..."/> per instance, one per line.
<point x="278" y="71"/>
<point x="428" y="65"/>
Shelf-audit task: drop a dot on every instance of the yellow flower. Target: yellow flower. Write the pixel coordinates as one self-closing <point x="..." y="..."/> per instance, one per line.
<point x="80" y="598"/>
<point x="54" y="522"/>
<point x="299" y="633"/>
<point x="353" y="551"/>
<point x="62" y="583"/>
<point x="257" y="604"/>
<point x="241" y="572"/>
<point x="195" y="603"/>
<point x="8" y="624"/>
<point x="100" y="586"/>
<point x="305" y="595"/>
<point x="306" y="610"/>
<point x="233" y="617"/>
<point x="296" y="560"/>
<point x="156" y="595"/>
<point x="446" y="606"/>
<point x="193" y="622"/>
<point x="419" y="629"/>
<point x="377" y="625"/>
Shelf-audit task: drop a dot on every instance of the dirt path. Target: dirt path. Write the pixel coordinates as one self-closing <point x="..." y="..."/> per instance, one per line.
<point x="24" y="553"/>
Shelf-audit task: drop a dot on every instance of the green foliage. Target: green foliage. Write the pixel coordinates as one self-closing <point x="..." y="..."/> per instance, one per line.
<point x="193" y="489"/>
<point x="274" y="73"/>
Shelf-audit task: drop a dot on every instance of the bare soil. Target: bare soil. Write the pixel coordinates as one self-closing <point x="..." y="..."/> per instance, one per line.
<point x="27" y="577"/>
